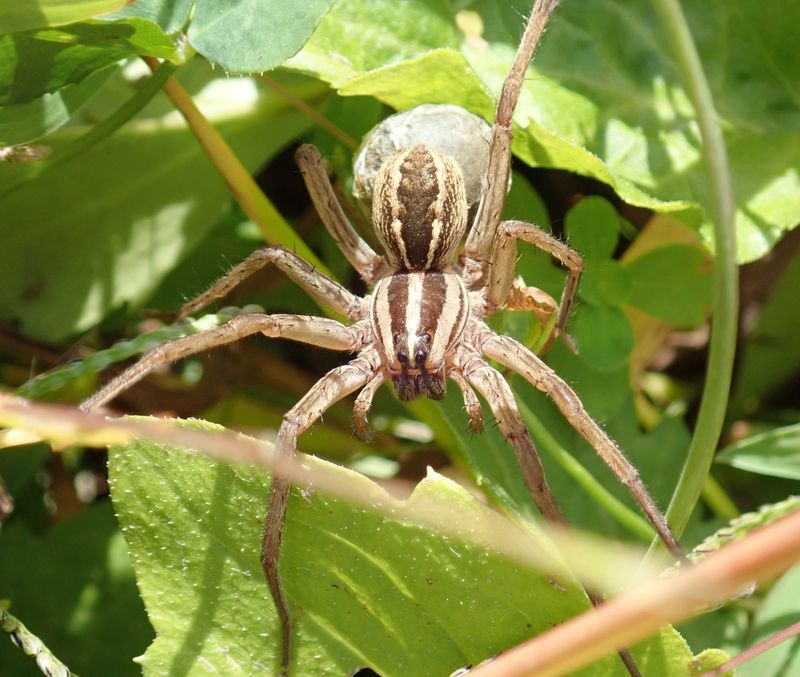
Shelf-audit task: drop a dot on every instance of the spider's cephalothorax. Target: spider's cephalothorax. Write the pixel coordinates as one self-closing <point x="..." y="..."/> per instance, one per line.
<point x="416" y="316"/>
<point x="417" y="313"/>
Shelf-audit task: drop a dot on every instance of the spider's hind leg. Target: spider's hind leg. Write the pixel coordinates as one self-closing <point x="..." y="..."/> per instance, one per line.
<point x="496" y="391"/>
<point x="517" y="357"/>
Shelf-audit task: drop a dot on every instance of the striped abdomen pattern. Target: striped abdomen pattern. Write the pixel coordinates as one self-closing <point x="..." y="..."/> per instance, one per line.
<point x="419" y="208"/>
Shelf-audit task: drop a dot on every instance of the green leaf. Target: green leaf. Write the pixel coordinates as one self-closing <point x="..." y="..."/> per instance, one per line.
<point x="605" y="283"/>
<point x="367" y="588"/>
<point x="29" y="121"/>
<point x="22" y="16"/>
<point x="771" y="353"/>
<point x="153" y="195"/>
<point x="171" y="15"/>
<point x="592" y="228"/>
<point x="775" y="453"/>
<point x="91" y="616"/>
<point x="781" y="607"/>
<point x="672" y="283"/>
<point x="37" y="62"/>
<point x="604" y="336"/>
<point x="253" y="35"/>
<point x="615" y="110"/>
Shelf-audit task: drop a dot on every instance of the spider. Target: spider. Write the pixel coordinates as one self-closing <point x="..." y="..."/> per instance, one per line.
<point x="423" y="321"/>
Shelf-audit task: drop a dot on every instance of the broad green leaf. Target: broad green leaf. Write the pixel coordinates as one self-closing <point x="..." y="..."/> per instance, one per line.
<point x="152" y="195"/>
<point x="605" y="282"/>
<point x="29" y="121"/>
<point x="368" y="589"/>
<point x="672" y="283"/>
<point x="612" y="109"/>
<point x="24" y="15"/>
<point x="604" y="336"/>
<point x="91" y="616"/>
<point x="171" y="15"/>
<point x="38" y="62"/>
<point x="780" y="609"/>
<point x="775" y="453"/>
<point x="592" y="228"/>
<point x="253" y="35"/>
<point x="771" y="352"/>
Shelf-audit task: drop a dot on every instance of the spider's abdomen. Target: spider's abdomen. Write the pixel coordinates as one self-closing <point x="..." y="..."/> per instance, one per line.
<point x="419" y="208"/>
<point x="416" y="317"/>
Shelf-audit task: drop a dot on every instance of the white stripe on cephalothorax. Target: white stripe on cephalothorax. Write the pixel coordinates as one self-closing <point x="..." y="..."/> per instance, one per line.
<point x="381" y="317"/>
<point x="452" y="315"/>
<point x="413" y="313"/>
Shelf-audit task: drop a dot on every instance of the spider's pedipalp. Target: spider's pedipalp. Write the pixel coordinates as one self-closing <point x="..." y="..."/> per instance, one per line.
<point x="471" y="403"/>
<point x="362" y="406"/>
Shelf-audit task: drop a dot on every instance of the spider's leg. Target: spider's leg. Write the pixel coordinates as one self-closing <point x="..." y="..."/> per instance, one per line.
<point x="517" y="357"/>
<point x="332" y="387"/>
<point x="317" y="331"/>
<point x="324" y="290"/>
<point x="362" y="406"/>
<point x="496" y="391"/>
<point x="501" y="290"/>
<point x="361" y="256"/>
<point x="498" y="170"/>
<point x="471" y="403"/>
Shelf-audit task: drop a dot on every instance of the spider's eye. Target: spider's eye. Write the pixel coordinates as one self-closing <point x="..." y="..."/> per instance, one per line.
<point x="402" y="356"/>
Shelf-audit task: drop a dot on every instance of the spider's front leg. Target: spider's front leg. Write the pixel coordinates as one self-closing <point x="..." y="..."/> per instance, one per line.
<point x="332" y="387"/>
<point x="501" y="290"/>
<point x="498" y="170"/>
<point x="517" y="357"/>
<point x="321" y="288"/>
<point x="497" y="393"/>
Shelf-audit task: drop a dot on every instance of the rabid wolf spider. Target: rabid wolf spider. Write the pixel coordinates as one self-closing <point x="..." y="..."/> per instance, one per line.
<point x="423" y="320"/>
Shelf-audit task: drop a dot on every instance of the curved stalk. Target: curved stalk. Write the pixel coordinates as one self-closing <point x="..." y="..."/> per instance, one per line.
<point x="725" y="293"/>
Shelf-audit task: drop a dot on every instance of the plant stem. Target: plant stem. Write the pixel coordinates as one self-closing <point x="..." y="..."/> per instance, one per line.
<point x="624" y="515"/>
<point x="714" y="495"/>
<point x="725" y="293"/>
<point x="245" y="190"/>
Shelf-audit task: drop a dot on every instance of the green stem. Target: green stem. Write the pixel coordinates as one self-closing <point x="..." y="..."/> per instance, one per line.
<point x="725" y="294"/>
<point x="716" y="498"/>
<point x="245" y="190"/>
<point x="98" y="132"/>
<point x="624" y="515"/>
